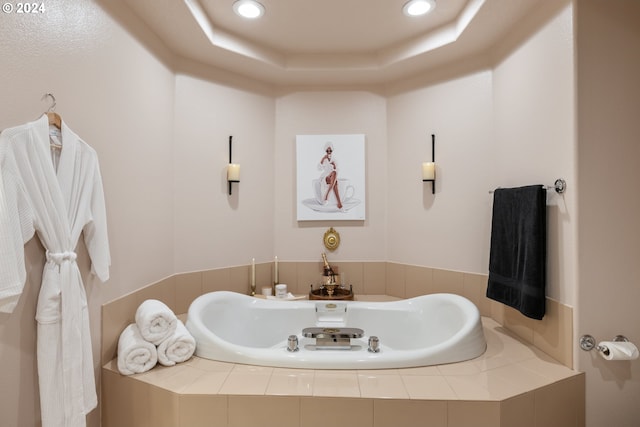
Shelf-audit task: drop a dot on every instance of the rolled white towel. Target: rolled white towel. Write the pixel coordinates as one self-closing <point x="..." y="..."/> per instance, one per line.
<point x="178" y="347"/>
<point x="135" y="354"/>
<point x="155" y="320"/>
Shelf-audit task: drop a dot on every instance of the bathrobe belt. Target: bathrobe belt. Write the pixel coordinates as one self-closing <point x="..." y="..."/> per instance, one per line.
<point x="60" y="257"/>
<point x="73" y="300"/>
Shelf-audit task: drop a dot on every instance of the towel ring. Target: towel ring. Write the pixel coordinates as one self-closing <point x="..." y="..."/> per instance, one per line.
<point x="560" y="186"/>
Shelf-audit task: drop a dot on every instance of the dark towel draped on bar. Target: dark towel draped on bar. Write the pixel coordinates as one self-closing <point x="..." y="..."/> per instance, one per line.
<point x="517" y="261"/>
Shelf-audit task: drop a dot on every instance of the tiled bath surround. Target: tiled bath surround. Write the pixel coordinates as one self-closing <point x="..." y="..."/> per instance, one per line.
<point x="549" y="393"/>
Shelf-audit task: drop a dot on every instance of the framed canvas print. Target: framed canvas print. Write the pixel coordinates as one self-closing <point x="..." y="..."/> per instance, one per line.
<point x="330" y="177"/>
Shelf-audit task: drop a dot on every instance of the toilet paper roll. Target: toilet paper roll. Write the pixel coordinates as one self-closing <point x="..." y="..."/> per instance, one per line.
<point x="618" y="350"/>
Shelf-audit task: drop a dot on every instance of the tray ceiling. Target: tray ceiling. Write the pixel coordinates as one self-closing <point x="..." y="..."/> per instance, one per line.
<point x="329" y="42"/>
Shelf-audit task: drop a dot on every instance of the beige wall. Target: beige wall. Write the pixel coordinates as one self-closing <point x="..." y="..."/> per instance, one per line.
<point x="608" y="109"/>
<point x="509" y="126"/>
<point x="448" y="229"/>
<point x="534" y="124"/>
<point x="213" y="229"/>
<point x="119" y="98"/>
<point x="330" y="113"/>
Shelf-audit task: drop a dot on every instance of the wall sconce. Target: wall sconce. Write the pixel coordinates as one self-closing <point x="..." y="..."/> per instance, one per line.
<point x="233" y="169"/>
<point x="429" y="168"/>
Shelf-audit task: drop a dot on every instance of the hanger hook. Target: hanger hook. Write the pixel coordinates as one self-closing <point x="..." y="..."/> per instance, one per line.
<point x="52" y="107"/>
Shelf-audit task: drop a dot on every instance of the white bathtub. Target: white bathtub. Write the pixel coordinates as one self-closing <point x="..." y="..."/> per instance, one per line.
<point x="427" y="330"/>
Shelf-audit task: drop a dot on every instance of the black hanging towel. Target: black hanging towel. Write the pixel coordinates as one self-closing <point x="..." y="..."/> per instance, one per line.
<point x="517" y="260"/>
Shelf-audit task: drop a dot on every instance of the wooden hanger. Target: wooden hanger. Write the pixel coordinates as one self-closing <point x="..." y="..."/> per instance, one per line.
<point x="54" y="119"/>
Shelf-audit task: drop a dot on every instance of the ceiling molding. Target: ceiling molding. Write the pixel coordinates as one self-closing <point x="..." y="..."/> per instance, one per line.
<point x="446" y="34"/>
<point x="310" y="43"/>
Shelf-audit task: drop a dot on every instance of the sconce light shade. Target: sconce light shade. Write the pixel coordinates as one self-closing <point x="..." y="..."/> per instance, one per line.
<point x="429" y="168"/>
<point x="428" y="171"/>
<point x="233" y="172"/>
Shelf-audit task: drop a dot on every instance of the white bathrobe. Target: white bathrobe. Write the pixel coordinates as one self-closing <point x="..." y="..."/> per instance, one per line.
<point x="60" y="197"/>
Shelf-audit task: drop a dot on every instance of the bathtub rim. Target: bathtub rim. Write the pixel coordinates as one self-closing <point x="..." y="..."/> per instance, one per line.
<point x="221" y="350"/>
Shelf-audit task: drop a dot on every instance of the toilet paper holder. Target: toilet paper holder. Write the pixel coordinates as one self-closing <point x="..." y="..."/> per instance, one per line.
<point x="588" y="343"/>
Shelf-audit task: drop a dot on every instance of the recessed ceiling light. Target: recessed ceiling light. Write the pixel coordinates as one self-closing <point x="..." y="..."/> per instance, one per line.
<point x="248" y="9"/>
<point x="418" y="7"/>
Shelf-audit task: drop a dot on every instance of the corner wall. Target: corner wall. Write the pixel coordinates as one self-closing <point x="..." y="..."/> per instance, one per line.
<point x="534" y="123"/>
<point x="608" y="107"/>
<point x="119" y="98"/>
<point x="448" y="229"/>
<point x="510" y="126"/>
<point x="212" y="228"/>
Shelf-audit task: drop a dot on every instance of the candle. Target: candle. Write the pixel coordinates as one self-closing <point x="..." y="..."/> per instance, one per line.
<point x="428" y="170"/>
<point x="233" y="172"/>
<point x="276" y="271"/>
<point x="253" y="273"/>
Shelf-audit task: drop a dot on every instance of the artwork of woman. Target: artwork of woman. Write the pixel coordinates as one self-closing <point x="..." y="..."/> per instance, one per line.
<point x="330" y="187"/>
<point x="329" y="175"/>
